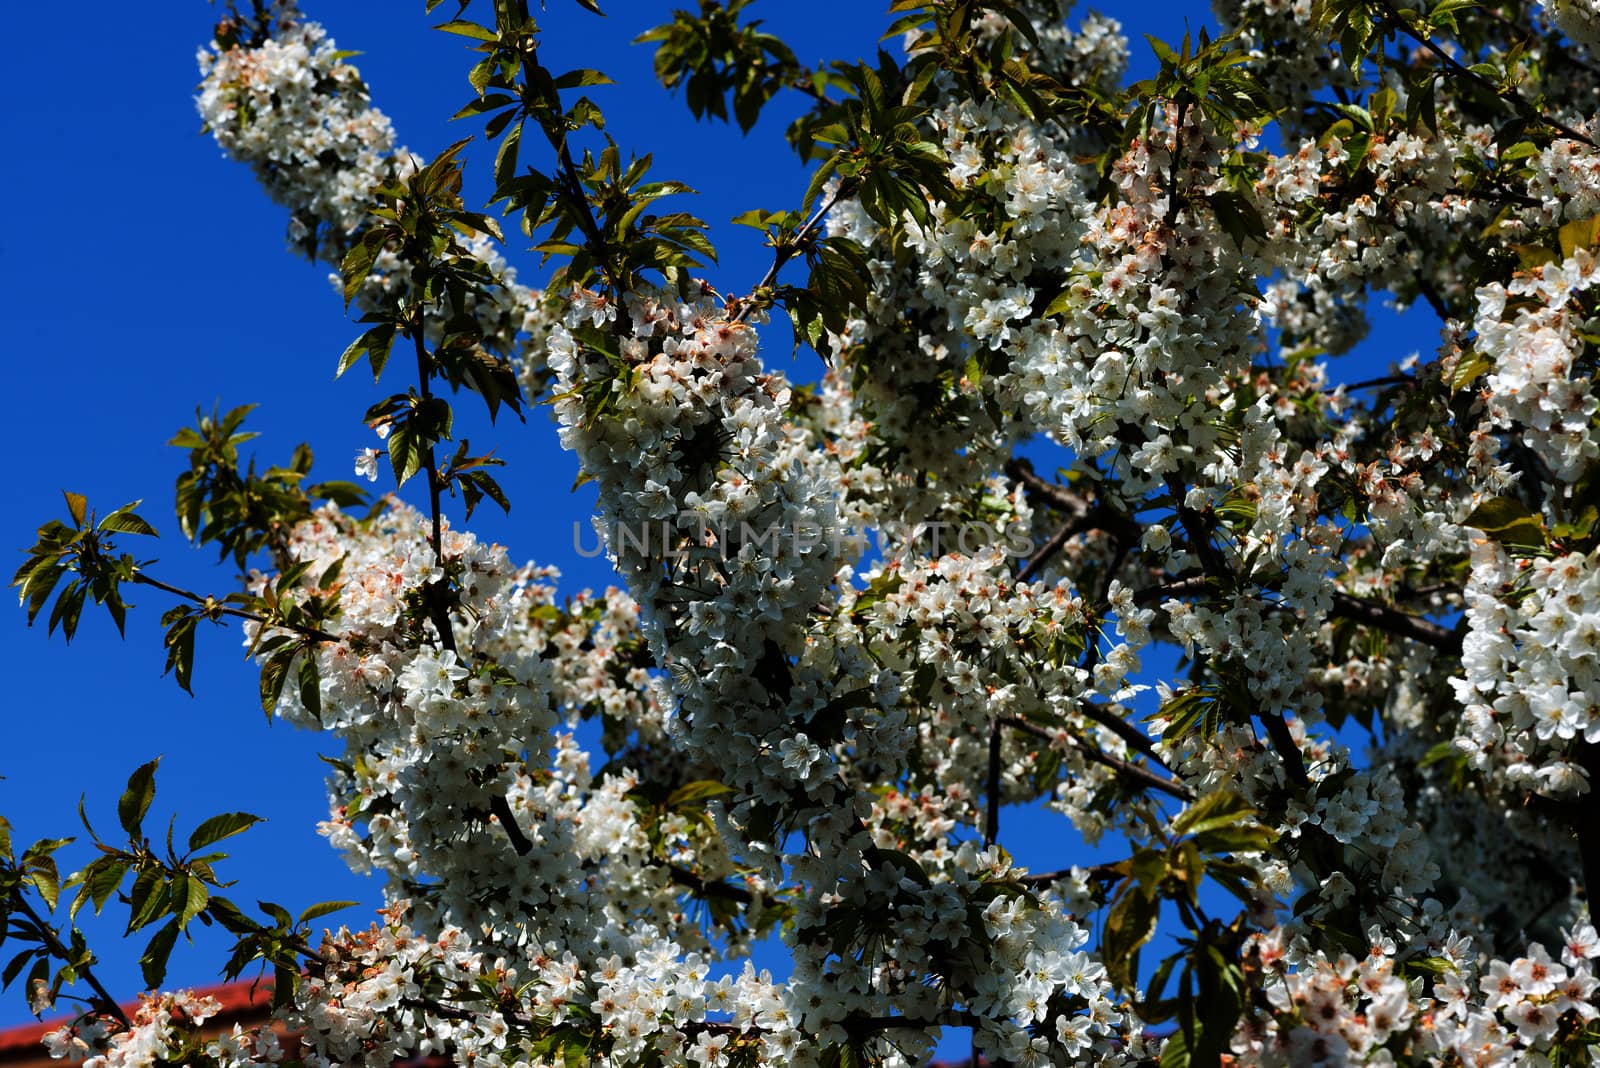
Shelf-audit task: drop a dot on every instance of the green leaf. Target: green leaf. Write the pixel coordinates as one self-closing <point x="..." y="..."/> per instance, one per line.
<point x="220" y="827"/>
<point x="1508" y="522"/>
<point x="77" y="506"/>
<point x="123" y="521"/>
<point x="1239" y="838"/>
<point x="148" y="899"/>
<point x="153" y="962"/>
<point x="195" y="896"/>
<point x="1130" y="924"/>
<point x="697" y="793"/>
<point x="581" y="78"/>
<point x="1176" y="1053"/>
<point x="1060" y="303"/>
<point x="376" y="345"/>
<point x="310" y="686"/>
<point x="1578" y="234"/>
<point x="467" y="28"/>
<point x="1520" y="150"/>
<point x="1218" y="809"/>
<point x="179" y="642"/>
<point x="104" y="878"/>
<point x="323" y="908"/>
<point x="273" y="676"/>
<point x="1237" y="217"/>
<point x="1468" y="367"/>
<point x="44" y="878"/>
<point x="135" y="800"/>
<point x="14" y="967"/>
<point x="505" y="160"/>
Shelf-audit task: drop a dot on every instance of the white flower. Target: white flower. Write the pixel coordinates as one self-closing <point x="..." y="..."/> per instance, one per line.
<point x="367" y="464"/>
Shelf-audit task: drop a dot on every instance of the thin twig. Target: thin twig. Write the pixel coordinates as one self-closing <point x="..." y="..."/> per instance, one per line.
<point x="787" y="250"/>
<point x="1130" y="734"/>
<point x="1394" y="621"/>
<point x="700" y="885"/>
<point x="1063" y="534"/>
<point x="1401" y="23"/>
<point x="1117" y="764"/>
<point x="215" y="607"/>
<point x="991" y="815"/>
<point x="52" y="941"/>
<point x="1093" y="872"/>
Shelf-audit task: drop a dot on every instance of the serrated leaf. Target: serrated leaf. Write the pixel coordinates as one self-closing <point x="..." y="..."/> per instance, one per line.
<point x="1130" y="924"/>
<point x="323" y="908"/>
<point x="376" y="345"/>
<point x="153" y="961"/>
<point x="273" y="676"/>
<point x="135" y="800"/>
<point x="697" y="793"/>
<point x="1578" y="234"/>
<point x="77" y="506"/>
<point x="106" y="877"/>
<point x="219" y="827"/>
<point x="468" y="28"/>
<point x="1508" y="522"/>
<point x="14" y="967"/>
<point x="124" y="521"/>
<point x="1468" y="368"/>
<point x="1217" y="809"/>
<point x="46" y="881"/>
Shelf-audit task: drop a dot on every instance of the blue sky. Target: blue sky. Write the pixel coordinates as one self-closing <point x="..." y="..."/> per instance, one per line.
<point x="149" y="275"/>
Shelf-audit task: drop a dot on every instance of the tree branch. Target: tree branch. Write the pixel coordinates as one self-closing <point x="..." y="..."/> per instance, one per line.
<point x="107" y="1004"/>
<point x="700" y="885"/>
<point x="786" y="251"/>
<point x="1401" y="23"/>
<point x="217" y="608"/>
<point x="1394" y="621"/>
<point x="991" y="814"/>
<point x="1117" y="764"/>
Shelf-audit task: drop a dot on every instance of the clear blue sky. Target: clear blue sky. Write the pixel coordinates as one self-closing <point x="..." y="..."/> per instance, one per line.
<point x="149" y="275"/>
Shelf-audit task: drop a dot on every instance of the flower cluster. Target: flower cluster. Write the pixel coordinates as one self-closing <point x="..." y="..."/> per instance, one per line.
<point x="1082" y="389"/>
<point x="291" y="106"/>
<point x="1529" y="669"/>
<point x="301" y="116"/>
<point x="1337" y="1010"/>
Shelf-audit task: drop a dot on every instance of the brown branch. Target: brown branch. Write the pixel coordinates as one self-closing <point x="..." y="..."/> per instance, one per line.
<point x="508" y="820"/>
<point x="434" y="592"/>
<point x="1059" y="497"/>
<point x="1401" y="23"/>
<point x="215" y="607"/>
<point x="1130" y="734"/>
<point x="991" y="814"/>
<point x="1282" y="739"/>
<point x="1081" y="516"/>
<point x="1373" y="383"/>
<point x="1178" y="587"/>
<point x="1096" y="872"/>
<point x="1345" y="606"/>
<point x="1065" y="533"/>
<point x="785" y="251"/>
<point x="1117" y="764"/>
<point x="47" y="934"/>
<point x="700" y="885"/>
<point x="1394" y="621"/>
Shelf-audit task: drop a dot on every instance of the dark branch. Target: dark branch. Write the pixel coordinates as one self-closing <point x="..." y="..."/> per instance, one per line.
<point x="1394" y="621"/>
<point x="1117" y="764"/>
